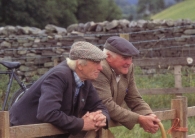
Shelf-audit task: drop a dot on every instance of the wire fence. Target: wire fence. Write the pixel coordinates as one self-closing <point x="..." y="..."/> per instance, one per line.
<point x="142" y="49"/>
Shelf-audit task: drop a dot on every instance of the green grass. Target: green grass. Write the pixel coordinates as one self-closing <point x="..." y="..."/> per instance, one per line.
<point x="138" y="132"/>
<point x="182" y="10"/>
<point x="164" y="81"/>
<point x="4" y="79"/>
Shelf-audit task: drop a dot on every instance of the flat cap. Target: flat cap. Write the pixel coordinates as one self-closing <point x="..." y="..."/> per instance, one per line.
<point x="86" y="50"/>
<point x="120" y="46"/>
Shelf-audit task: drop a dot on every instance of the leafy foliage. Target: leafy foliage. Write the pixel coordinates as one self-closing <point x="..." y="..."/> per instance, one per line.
<point x="60" y="13"/>
<point x="101" y="9"/>
<point x="38" y="13"/>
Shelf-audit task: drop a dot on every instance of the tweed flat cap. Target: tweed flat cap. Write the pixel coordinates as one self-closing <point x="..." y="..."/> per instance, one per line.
<point x="86" y="50"/>
<point x="120" y="46"/>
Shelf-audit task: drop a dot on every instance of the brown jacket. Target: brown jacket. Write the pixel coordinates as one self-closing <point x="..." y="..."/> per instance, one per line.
<point x="114" y="94"/>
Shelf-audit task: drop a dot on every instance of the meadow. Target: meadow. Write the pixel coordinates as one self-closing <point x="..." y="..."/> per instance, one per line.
<point x="182" y="10"/>
<point x="157" y="102"/>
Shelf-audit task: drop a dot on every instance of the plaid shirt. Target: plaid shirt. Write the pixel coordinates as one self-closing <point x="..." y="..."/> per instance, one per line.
<point x="79" y="83"/>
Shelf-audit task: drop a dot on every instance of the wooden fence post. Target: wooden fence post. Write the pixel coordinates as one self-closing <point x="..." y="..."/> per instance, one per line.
<point x="55" y="62"/>
<point x="178" y="78"/>
<point x="4" y="124"/>
<point x="180" y="105"/>
<point x="126" y="36"/>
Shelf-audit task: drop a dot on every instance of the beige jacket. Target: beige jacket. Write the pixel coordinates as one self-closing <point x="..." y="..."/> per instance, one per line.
<point x="114" y="94"/>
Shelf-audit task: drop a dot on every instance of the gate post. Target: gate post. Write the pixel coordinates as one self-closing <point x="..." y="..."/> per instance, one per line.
<point x="180" y="105"/>
<point x="178" y="78"/>
<point x="55" y="62"/>
<point x="125" y="36"/>
<point x="4" y="124"/>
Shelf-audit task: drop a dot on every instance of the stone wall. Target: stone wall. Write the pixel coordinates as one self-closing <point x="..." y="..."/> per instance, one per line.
<point x="39" y="49"/>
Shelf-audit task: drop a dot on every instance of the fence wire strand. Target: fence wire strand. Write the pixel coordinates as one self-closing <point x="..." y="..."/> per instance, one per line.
<point x="152" y="48"/>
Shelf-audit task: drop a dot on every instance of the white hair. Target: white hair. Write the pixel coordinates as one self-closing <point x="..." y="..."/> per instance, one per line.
<point x="72" y="63"/>
<point x="106" y="51"/>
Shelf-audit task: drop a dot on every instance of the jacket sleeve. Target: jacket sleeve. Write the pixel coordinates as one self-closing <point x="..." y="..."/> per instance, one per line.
<point x="94" y="103"/>
<point x="49" y="107"/>
<point x="117" y="113"/>
<point x="133" y="98"/>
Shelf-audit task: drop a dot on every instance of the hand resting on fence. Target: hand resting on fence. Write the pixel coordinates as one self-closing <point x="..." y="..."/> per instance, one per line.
<point x="94" y="121"/>
<point x="149" y="123"/>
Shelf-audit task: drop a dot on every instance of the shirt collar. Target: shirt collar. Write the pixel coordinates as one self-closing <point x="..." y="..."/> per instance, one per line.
<point x="78" y="81"/>
<point x="118" y="77"/>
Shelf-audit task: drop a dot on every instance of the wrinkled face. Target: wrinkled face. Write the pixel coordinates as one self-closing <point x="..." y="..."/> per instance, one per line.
<point x="90" y="70"/>
<point x="119" y="63"/>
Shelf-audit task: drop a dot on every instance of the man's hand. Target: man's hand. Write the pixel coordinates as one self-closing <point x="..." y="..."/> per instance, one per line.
<point x="98" y="119"/>
<point x="149" y="123"/>
<point x="89" y="124"/>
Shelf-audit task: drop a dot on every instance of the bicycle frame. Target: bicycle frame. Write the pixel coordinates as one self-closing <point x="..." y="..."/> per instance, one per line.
<point x="12" y="76"/>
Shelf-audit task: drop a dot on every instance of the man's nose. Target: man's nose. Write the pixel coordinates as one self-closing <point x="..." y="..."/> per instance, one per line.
<point x="129" y="60"/>
<point x="99" y="67"/>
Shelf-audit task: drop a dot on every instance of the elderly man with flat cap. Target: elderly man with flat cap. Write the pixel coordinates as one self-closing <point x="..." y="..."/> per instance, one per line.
<point x="116" y="87"/>
<point x="64" y="96"/>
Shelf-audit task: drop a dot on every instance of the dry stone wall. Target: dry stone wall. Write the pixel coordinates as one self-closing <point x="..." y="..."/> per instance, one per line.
<point x="39" y="49"/>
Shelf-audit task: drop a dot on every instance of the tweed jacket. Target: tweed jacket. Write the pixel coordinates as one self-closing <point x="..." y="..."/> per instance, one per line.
<point x="116" y="95"/>
<point x="51" y="100"/>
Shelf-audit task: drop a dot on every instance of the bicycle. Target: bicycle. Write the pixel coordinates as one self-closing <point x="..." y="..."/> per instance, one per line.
<point x="11" y="68"/>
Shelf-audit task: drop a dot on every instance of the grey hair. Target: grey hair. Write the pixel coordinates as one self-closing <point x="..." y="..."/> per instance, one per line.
<point x="72" y="63"/>
<point x="106" y="51"/>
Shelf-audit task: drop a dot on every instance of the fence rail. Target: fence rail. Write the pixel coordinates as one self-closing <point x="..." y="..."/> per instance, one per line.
<point x="158" y="91"/>
<point x="25" y="131"/>
<point x="178" y="109"/>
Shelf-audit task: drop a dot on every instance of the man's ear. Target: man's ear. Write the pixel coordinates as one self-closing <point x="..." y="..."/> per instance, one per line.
<point x="79" y="66"/>
<point x="109" y="57"/>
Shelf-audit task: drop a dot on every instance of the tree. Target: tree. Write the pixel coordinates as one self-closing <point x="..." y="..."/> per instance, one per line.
<point x="97" y="10"/>
<point x="38" y="13"/>
<point x="58" y="12"/>
<point x="63" y="12"/>
<point x="148" y="7"/>
<point x="113" y="11"/>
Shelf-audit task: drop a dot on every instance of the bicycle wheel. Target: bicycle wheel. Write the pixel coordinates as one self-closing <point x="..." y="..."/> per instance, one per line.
<point x="17" y="95"/>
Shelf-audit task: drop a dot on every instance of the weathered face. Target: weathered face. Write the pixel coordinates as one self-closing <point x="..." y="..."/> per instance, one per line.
<point x="119" y="63"/>
<point x="91" y="70"/>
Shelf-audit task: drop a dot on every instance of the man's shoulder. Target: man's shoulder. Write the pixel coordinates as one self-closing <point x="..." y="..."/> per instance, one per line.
<point x="105" y="66"/>
<point x="61" y="68"/>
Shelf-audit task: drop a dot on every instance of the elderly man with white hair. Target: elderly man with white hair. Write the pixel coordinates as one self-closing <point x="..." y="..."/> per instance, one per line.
<point x="64" y="96"/>
<point x="116" y="87"/>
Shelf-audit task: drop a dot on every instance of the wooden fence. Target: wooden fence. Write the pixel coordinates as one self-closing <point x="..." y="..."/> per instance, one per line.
<point x="178" y="110"/>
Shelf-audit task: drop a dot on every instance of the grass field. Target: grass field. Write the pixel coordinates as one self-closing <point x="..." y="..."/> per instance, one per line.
<point x="165" y="80"/>
<point x="182" y="10"/>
